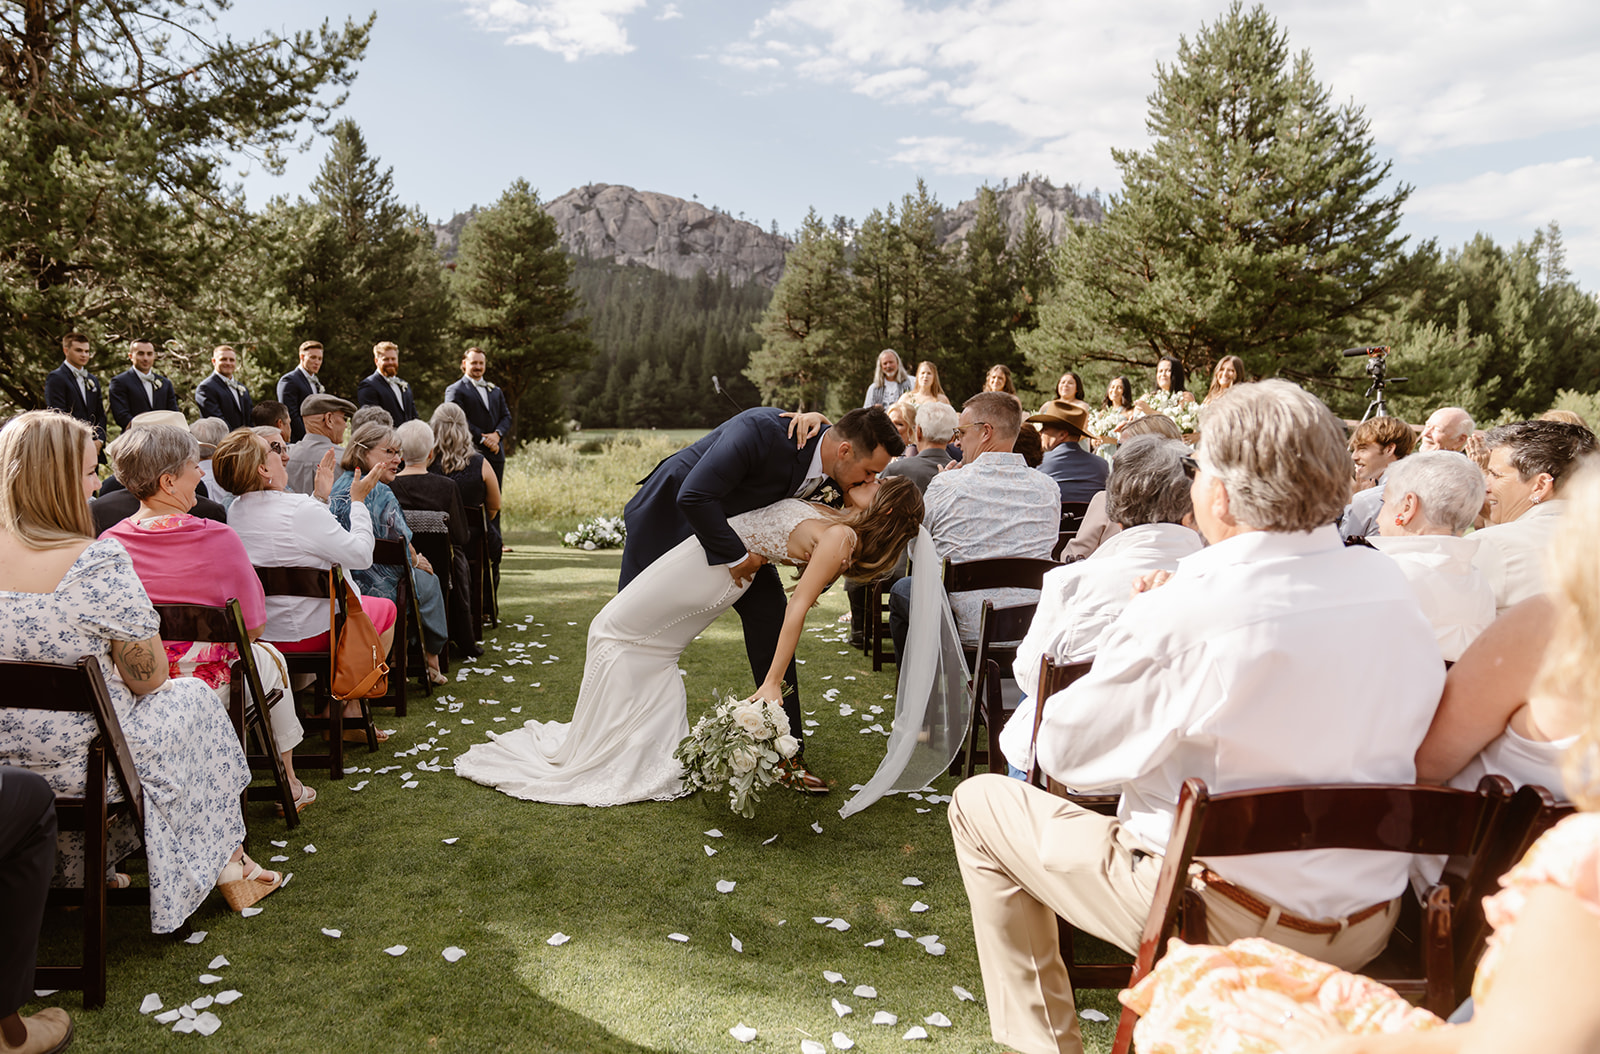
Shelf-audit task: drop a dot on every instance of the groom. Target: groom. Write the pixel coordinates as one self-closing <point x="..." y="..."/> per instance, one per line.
<point x="749" y="462"/>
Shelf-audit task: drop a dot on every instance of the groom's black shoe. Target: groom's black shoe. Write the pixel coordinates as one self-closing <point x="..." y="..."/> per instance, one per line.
<point x="794" y="776"/>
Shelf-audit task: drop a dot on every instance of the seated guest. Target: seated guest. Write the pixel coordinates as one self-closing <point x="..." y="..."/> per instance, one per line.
<point x="65" y="595"/>
<point x="1532" y="989"/>
<point x="282" y="529"/>
<point x="324" y="418"/>
<point x="371" y="413"/>
<point x="993" y="506"/>
<point x="271" y="412"/>
<point x="161" y="467"/>
<point x="936" y="423"/>
<point x="1447" y="428"/>
<point x="208" y="432"/>
<point x="116" y="504"/>
<point x="1254" y="665"/>
<point x="433" y="501"/>
<point x="372" y="450"/>
<point x="1148" y="494"/>
<point x="27" y="857"/>
<point x="1062" y="425"/>
<point x="1529" y="462"/>
<point x="1376" y="444"/>
<point x="1429" y="502"/>
<point x="1096" y="526"/>
<point x="1029" y="446"/>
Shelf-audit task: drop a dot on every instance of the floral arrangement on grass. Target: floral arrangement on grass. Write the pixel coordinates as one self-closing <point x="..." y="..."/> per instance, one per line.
<point x="602" y="532"/>
<point x="1180" y="406"/>
<point x="739" y="746"/>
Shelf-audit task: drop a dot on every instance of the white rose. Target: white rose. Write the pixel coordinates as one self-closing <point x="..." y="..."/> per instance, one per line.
<point x="779" y="719"/>
<point x="750" y="718"/>
<point x="787" y="745"/>
<point x="742" y="761"/>
<point x="588" y="545"/>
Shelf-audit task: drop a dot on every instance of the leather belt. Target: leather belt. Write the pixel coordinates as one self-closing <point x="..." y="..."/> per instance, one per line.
<point x="1261" y="909"/>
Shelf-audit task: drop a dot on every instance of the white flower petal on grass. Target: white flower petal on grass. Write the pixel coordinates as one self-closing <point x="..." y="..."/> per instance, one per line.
<point x="309" y="848"/>
<point x="396" y="950"/>
<point x="196" y="937"/>
<point x="823" y="919"/>
<point x="832" y="976"/>
<point x="874" y="944"/>
<point x="358" y="786"/>
<point x="218" y="963"/>
<point x="817" y="827"/>
<point x="151" y="1004"/>
<point x="408" y="784"/>
<point x="932" y="938"/>
<point x="209" y="978"/>
<point x="865" y="991"/>
<point x="679" y="937"/>
<point x="962" y="994"/>
<point x="919" y="907"/>
<point x="743" y="1032"/>
<point x="168" y="1018"/>
<point x="280" y="845"/>
<point x="842" y="1041"/>
<point x="933" y="949"/>
<point x="924" y="810"/>
<point x="280" y="858"/>
<point x="840" y="1009"/>
<point x="557" y="939"/>
<point x="451" y="841"/>
<point x="248" y="913"/>
<point x="187" y="1011"/>
<point x="184" y="1024"/>
<point x="902" y="934"/>
<point x="713" y="833"/>
<point x="937" y="1019"/>
<point x="915" y="1032"/>
<point x="230" y="996"/>
<point x="326" y="932"/>
<point x="1092" y="1015"/>
<point x="811" y="1046"/>
<point x="910" y="881"/>
<point x="769" y="841"/>
<point x="453" y="954"/>
<point x="883" y="1017"/>
<point x="207" y="1023"/>
<point x="203" y="1002"/>
<point x="725" y="886"/>
<point x="839" y="924"/>
<point x="738" y="945"/>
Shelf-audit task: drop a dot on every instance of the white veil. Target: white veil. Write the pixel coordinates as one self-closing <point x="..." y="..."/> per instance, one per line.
<point x="931" y="708"/>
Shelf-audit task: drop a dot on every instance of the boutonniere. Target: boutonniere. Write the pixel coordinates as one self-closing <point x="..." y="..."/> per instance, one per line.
<point x="828" y="494"/>
<point x="155" y="382"/>
<point x="404" y="386"/>
<point x="89" y="382"/>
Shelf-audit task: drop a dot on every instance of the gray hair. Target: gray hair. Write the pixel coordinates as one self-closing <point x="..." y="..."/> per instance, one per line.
<point x="1280" y="455"/>
<point x="452" y="438"/>
<point x="141" y="456"/>
<point x="1001" y="411"/>
<point x="271" y="433"/>
<point x="1148" y="483"/>
<point x="1552" y="447"/>
<point x="937" y="421"/>
<point x="361" y="442"/>
<point x="1448" y="486"/>
<point x="1150" y="425"/>
<point x="208" y="432"/>
<point x="416" y="442"/>
<point x="1464" y="423"/>
<point x="371" y="413"/>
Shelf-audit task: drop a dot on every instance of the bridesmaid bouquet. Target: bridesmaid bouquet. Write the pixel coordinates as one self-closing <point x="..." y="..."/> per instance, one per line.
<point x="739" y="746"/>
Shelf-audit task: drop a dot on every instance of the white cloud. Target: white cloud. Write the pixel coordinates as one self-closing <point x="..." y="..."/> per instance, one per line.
<point x="668" y="13"/>
<point x="1527" y="197"/>
<point x="573" y="29"/>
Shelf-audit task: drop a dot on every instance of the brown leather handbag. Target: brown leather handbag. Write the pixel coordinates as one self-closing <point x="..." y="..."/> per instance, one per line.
<point x="359" y="669"/>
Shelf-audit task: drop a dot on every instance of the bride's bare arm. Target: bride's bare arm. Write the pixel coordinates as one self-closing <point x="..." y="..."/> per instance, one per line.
<point x="828" y="558"/>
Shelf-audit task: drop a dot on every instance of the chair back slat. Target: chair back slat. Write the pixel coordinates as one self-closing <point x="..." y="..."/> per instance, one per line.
<point x="390" y="551"/>
<point x="296" y="581"/>
<point x="1011" y="572"/>
<point x="196" y="622"/>
<point x="1402" y="819"/>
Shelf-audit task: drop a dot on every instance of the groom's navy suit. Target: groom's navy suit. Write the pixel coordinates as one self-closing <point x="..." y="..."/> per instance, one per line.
<point x="747" y="463"/>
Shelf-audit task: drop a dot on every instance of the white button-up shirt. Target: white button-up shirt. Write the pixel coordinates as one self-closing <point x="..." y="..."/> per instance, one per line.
<point x="995" y="507"/>
<point x="1511" y="555"/>
<point x="280" y="529"/>
<point x="1267" y="659"/>
<point x="1453" y="595"/>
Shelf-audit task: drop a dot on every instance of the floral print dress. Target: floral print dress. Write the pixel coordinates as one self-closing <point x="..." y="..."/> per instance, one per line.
<point x="184" y="747"/>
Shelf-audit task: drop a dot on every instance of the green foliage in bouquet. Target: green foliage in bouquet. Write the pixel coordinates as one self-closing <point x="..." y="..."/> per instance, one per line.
<point x="739" y="746"/>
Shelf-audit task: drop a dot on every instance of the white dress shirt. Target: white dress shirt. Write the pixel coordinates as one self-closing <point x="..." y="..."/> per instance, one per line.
<point x="280" y="529"/>
<point x="995" y="507"/>
<point x="1078" y="603"/>
<point x="316" y="385"/>
<point x="149" y="382"/>
<point x="1267" y="659"/>
<point x="1511" y="555"/>
<point x="1454" y="597"/>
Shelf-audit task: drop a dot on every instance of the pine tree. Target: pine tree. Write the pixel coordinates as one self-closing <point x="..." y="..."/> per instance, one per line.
<point x="799" y="352"/>
<point x="992" y="287"/>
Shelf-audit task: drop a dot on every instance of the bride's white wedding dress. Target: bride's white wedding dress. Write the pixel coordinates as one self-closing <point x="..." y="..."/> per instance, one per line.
<point x="632" y="710"/>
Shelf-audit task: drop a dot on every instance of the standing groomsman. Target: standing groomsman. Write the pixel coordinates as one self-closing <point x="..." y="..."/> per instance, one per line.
<point x="383" y="387"/>
<point x="71" y="387"/>
<point x="298" y="383"/>
<point x="488" y="416"/>
<point x="222" y="397"/>
<point x="140" y="389"/>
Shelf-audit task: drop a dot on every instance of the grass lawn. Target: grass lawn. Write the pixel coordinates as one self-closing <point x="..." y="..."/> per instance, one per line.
<point x="617" y="880"/>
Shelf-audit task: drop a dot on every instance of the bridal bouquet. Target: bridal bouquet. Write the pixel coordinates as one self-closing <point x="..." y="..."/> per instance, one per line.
<point x="602" y="532"/>
<point x="738" y="747"/>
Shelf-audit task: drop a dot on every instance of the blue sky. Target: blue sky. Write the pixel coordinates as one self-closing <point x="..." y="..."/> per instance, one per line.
<point x="1490" y="110"/>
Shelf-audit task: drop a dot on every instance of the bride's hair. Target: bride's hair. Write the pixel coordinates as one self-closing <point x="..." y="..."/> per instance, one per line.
<point x="883" y="529"/>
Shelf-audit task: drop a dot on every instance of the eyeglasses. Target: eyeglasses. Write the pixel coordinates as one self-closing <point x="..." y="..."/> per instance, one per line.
<point x="964" y="429"/>
<point x="1190" y="466"/>
<point x="277" y="447"/>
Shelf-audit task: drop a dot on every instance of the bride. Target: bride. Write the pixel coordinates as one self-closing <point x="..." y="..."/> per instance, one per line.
<point x="632" y="709"/>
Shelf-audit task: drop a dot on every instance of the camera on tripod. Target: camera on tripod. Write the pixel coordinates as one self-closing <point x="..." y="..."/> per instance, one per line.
<point x="1377" y="368"/>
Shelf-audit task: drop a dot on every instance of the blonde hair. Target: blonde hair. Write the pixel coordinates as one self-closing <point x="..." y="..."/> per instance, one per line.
<point x="41" y="489"/>
<point x="238" y="460"/>
<point x="883" y="529"/>
<point x="1571" y="667"/>
<point x="451" y="438"/>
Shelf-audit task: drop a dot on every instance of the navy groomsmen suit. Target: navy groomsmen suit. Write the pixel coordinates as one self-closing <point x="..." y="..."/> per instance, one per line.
<point x="216" y="399"/>
<point x="375" y="390"/>
<point x="495" y="416"/>
<point x="294" y="388"/>
<point x="128" y="398"/>
<point x="61" y="392"/>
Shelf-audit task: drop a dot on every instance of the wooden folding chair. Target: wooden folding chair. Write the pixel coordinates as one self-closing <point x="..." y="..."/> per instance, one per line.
<point x="1399" y="818"/>
<point x="1056" y="677"/>
<point x="477" y="563"/>
<point x="880" y="642"/>
<point x="80" y="688"/>
<point x="408" y="620"/>
<point x="999" y="632"/>
<point x="248" y="704"/>
<point x="318" y="584"/>
<point x="1072" y="514"/>
<point x="434" y="546"/>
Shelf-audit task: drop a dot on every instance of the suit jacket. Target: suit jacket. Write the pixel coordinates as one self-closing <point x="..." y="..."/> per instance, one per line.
<point x="111" y="509"/>
<point x="129" y="401"/>
<point x="1080" y="474"/>
<point x="919" y="468"/>
<point x="61" y="392"/>
<point x="375" y="391"/>
<point x="293" y="389"/>
<point x="495" y="417"/>
<point x="746" y="463"/>
<point x="215" y="399"/>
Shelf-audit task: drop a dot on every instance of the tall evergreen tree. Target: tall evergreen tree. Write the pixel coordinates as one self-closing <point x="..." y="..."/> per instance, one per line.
<point x="992" y="287"/>
<point x="800" y="332"/>
<point x="1254" y="224"/>
<point x="516" y="302"/>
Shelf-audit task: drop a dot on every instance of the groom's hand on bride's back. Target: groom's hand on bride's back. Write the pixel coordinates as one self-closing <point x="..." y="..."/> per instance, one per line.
<point x="746" y="569"/>
<point x="802" y="426"/>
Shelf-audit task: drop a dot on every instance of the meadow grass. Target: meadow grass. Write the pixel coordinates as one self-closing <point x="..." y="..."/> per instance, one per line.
<point x="552" y="485"/>
<point x="616" y="880"/>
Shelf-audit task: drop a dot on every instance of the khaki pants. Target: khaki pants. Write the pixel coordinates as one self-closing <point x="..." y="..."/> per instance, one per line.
<point x="1027" y="856"/>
